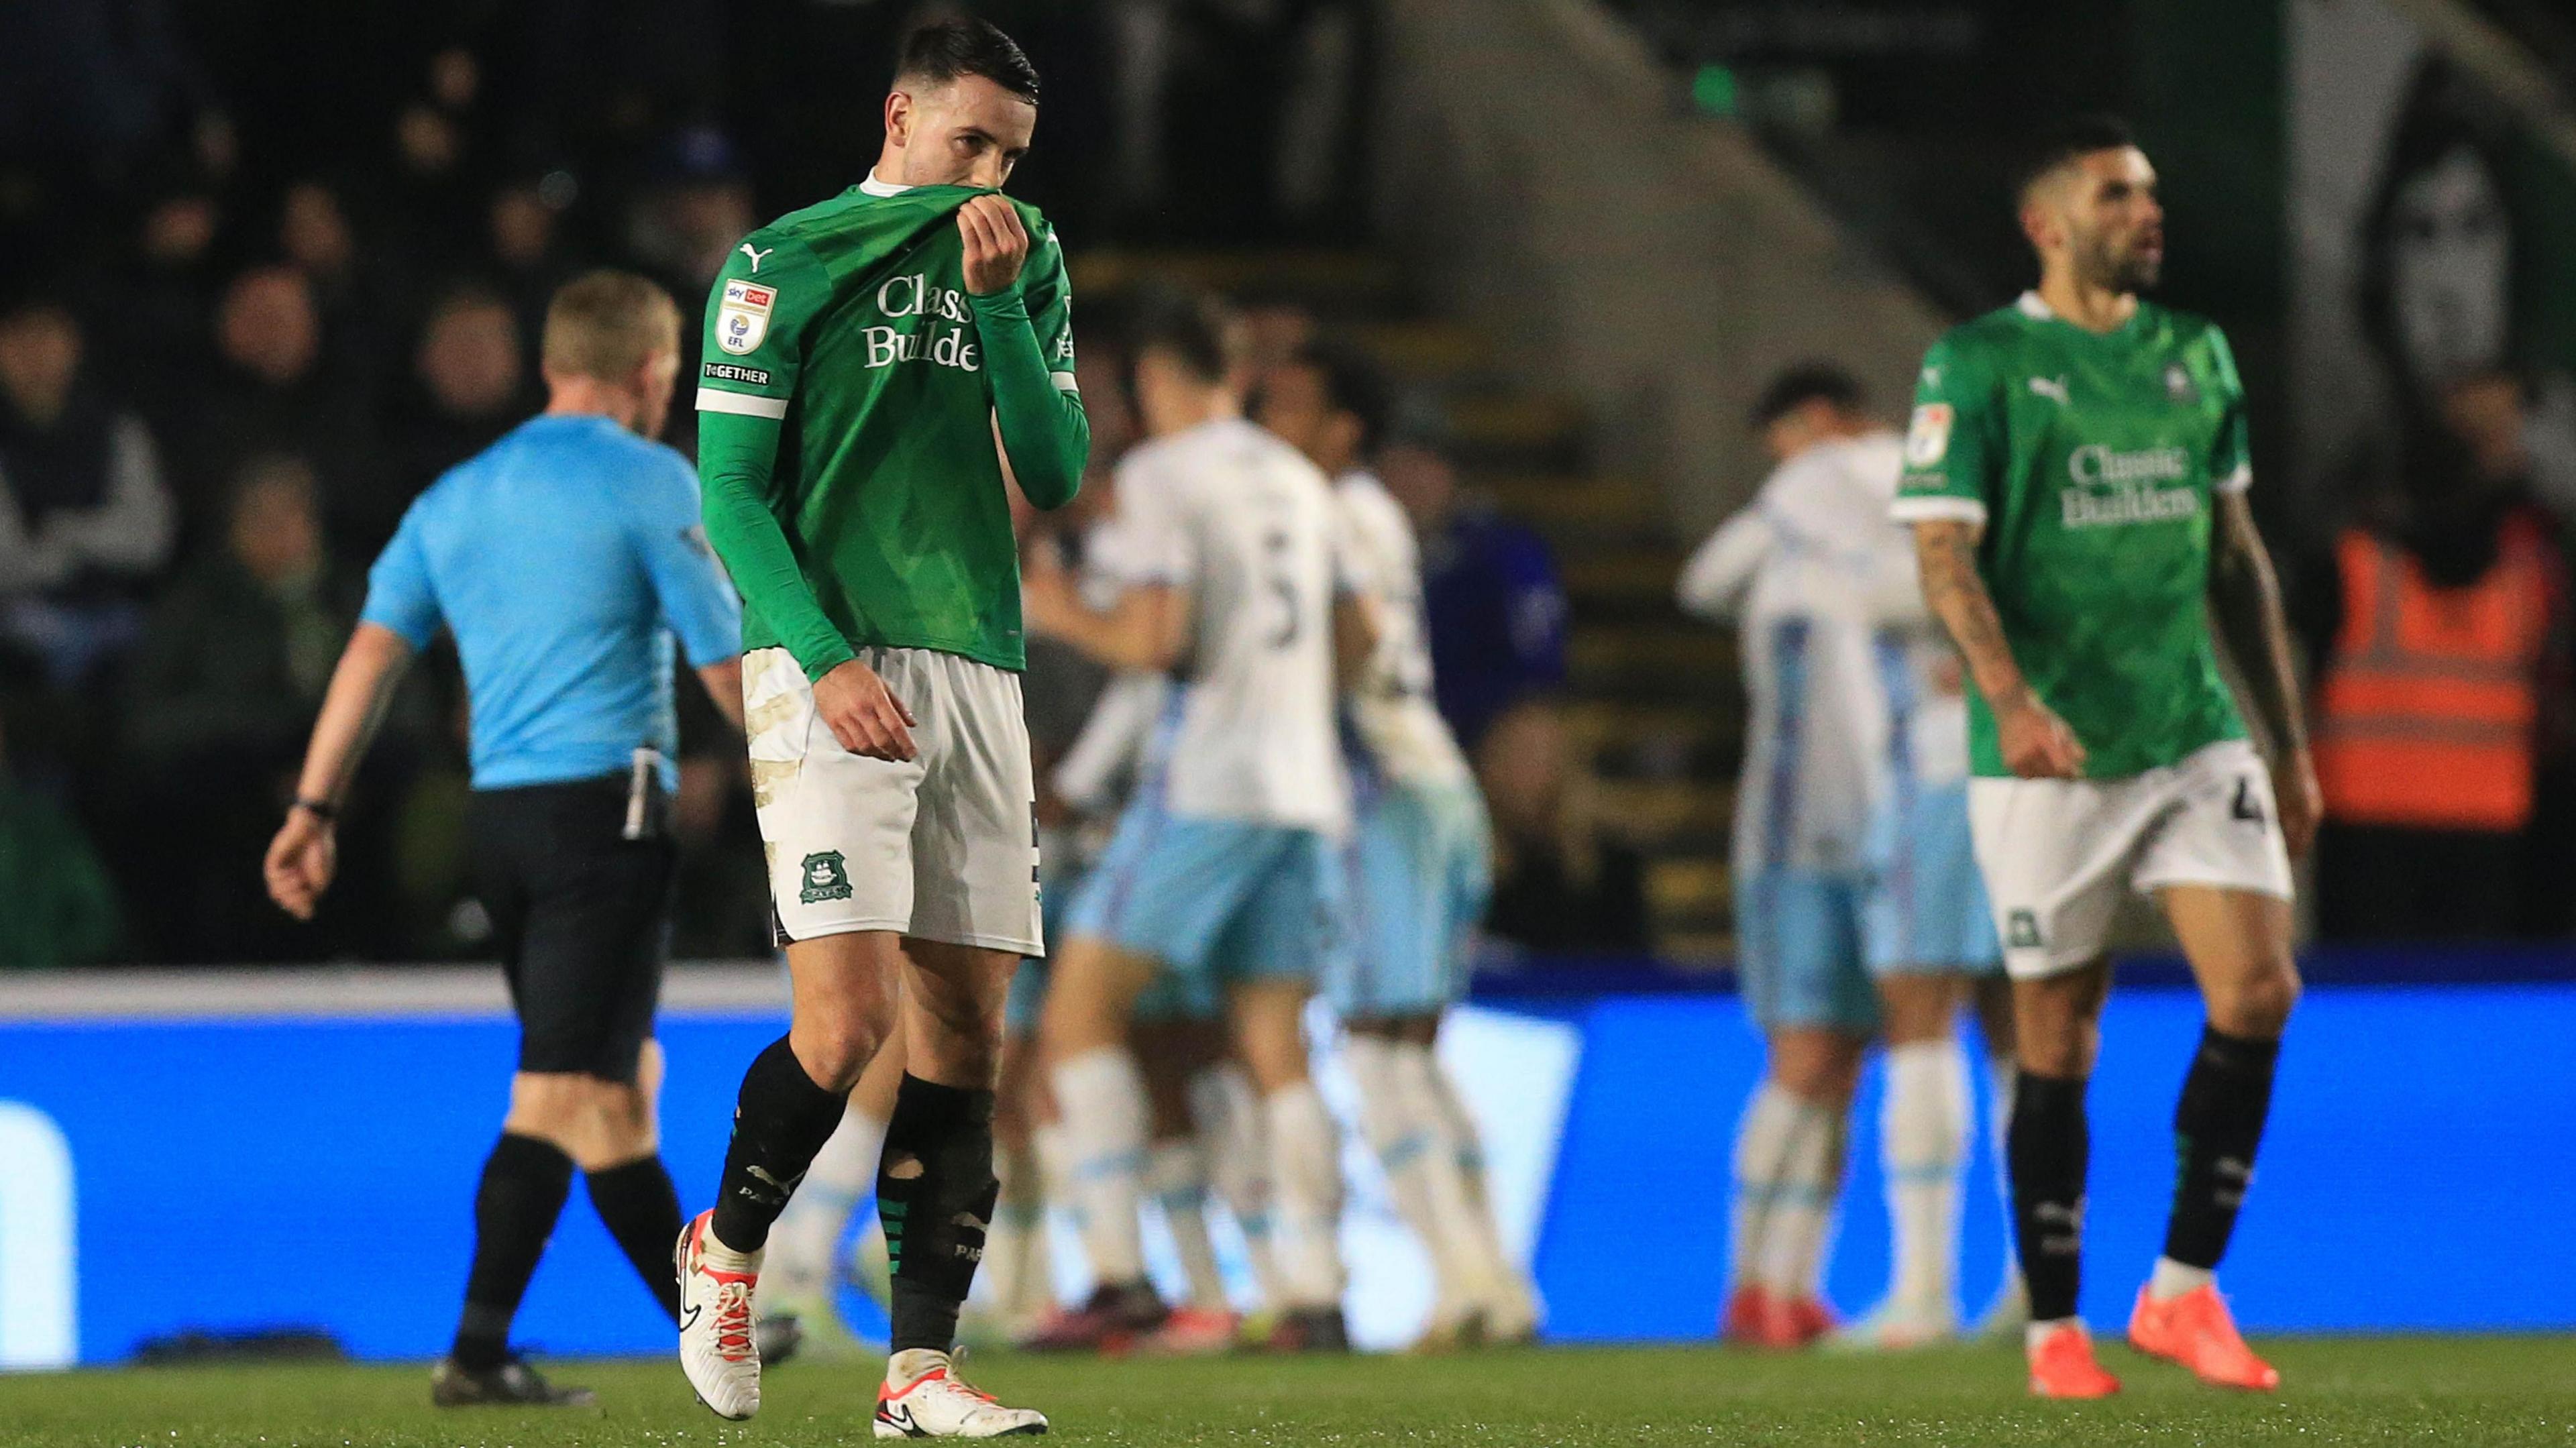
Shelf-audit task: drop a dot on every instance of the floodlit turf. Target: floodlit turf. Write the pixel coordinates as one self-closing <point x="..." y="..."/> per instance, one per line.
<point x="2472" y="1392"/>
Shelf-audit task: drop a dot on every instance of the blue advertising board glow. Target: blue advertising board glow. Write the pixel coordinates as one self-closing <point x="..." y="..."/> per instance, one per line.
<point x="2416" y="1176"/>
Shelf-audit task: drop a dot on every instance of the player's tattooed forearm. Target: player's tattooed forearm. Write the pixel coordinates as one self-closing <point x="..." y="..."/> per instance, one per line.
<point x="1945" y="554"/>
<point x="2245" y="606"/>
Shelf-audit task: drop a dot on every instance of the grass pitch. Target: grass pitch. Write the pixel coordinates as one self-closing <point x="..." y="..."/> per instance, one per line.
<point x="2471" y="1392"/>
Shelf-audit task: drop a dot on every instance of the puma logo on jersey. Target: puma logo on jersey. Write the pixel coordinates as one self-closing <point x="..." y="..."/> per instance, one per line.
<point x="2052" y="388"/>
<point x="755" y="256"/>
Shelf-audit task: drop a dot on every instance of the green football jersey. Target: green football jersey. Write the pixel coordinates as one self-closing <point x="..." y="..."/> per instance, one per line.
<point x="848" y="328"/>
<point x="2091" y="459"/>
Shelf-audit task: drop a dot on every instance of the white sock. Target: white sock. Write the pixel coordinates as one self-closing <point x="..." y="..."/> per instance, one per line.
<point x="1015" y="1247"/>
<point x="1802" y="1213"/>
<point x="1055" y="1181"/>
<point x="1399" y="1124"/>
<point x="1503" y="1274"/>
<point x="1469" y="1239"/>
<point x="807" y="1236"/>
<point x="2036" y="1333"/>
<point x="1176" y="1173"/>
<point x="906" y="1367"/>
<point x="1102" y="1096"/>
<point x="2173" y="1279"/>
<point x="1228" y="1117"/>
<point x="2001" y="1072"/>
<point x="1923" y="1126"/>
<point x="1762" y="1139"/>
<point x="1305" y="1173"/>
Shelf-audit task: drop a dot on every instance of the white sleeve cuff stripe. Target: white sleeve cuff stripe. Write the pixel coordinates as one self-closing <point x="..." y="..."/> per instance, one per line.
<point x="714" y="400"/>
<point x="1063" y="381"/>
<point x="1937" y="508"/>
<point x="2235" y="482"/>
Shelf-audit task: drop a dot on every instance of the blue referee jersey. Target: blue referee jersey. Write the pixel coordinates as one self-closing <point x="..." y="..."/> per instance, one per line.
<point x="564" y="558"/>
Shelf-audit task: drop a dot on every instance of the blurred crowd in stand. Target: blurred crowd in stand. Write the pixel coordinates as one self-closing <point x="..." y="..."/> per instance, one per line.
<point x="268" y="267"/>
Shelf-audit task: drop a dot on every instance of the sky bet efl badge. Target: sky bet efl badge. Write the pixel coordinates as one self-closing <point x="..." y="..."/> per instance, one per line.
<point x="742" y="318"/>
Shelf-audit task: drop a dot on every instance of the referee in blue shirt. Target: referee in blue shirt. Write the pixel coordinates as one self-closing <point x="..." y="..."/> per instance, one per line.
<point x="564" y="560"/>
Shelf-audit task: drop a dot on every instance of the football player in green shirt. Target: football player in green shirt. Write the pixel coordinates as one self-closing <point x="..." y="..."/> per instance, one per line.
<point x="878" y="369"/>
<point x="2076" y="474"/>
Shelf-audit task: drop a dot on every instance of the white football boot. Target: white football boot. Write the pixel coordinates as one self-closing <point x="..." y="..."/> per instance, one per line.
<point x="716" y="1347"/>
<point x="933" y="1402"/>
<point x="1897" y="1326"/>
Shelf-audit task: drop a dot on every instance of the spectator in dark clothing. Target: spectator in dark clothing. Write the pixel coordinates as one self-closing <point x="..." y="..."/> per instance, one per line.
<point x="1497" y="620"/>
<point x="154" y="345"/>
<point x="84" y="517"/>
<point x="468" y="385"/>
<point x="352" y="295"/>
<point x="231" y="672"/>
<point x="273" y="393"/>
<point x="528" y="257"/>
<point x="61" y="908"/>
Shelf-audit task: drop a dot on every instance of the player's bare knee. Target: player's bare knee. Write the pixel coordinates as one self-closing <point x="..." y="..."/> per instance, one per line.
<point x="608" y="1123"/>
<point x="2257" y="1004"/>
<point x="546" y="1105"/>
<point x="1918" y="1008"/>
<point x="1273" y="1056"/>
<point x="2063" y="1049"/>
<point x="835" y="1046"/>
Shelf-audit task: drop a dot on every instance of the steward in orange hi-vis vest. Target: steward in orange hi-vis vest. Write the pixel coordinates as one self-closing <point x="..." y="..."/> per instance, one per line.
<point x="2429" y="702"/>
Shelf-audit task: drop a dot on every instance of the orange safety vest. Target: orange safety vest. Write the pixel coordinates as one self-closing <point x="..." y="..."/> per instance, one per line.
<point x="2427" y="710"/>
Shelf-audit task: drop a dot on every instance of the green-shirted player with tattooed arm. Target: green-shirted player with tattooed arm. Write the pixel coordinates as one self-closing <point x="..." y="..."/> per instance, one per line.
<point x="2076" y="475"/>
<point x="862" y="357"/>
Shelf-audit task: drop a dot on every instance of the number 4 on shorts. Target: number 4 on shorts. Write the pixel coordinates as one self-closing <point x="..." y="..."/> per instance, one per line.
<point x="2247" y="807"/>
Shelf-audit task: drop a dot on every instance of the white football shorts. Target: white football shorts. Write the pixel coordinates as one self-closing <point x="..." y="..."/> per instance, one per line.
<point x="2057" y="854"/>
<point x="943" y="847"/>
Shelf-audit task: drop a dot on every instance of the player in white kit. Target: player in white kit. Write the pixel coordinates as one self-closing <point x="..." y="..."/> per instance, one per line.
<point x="1225" y="866"/>
<point x="1843" y="864"/>
<point x="1420" y="865"/>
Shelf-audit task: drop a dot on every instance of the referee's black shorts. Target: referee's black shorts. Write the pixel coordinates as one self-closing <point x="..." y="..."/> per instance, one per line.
<point x="582" y="916"/>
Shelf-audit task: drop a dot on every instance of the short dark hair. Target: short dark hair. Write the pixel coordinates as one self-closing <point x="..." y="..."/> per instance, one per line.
<point x="2063" y="142"/>
<point x="1353" y="383"/>
<point x="1807" y="382"/>
<point x="1194" y="328"/>
<point x="943" y="50"/>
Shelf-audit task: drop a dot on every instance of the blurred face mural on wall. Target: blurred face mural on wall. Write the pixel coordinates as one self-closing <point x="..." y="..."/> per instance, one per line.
<point x="2435" y="286"/>
<point x="2450" y="267"/>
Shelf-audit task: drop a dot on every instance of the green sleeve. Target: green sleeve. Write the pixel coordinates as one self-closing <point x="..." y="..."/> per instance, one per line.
<point x="1953" y="442"/>
<point x="768" y="295"/>
<point x="1027" y="335"/>
<point x="2231" y="456"/>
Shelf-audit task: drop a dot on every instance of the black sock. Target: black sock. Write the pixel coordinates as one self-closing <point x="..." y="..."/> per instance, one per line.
<point x="637" y="1203"/>
<point x="935" y="1194"/>
<point x="524" y="1185"/>
<point x="779" y="1121"/>
<point x="2047" y="1144"/>
<point x="2217" y="1125"/>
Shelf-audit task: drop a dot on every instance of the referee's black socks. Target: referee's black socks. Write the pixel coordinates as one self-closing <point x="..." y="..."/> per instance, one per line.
<point x="779" y="1121"/>
<point x="525" y="1181"/>
<point x="2048" y="1146"/>
<point x="935" y="1195"/>
<point x="2217" y="1126"/>
<point x="641" y="1209"/>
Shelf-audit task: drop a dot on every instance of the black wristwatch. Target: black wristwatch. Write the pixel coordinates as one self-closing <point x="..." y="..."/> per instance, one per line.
<point x="321" y="809"/>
